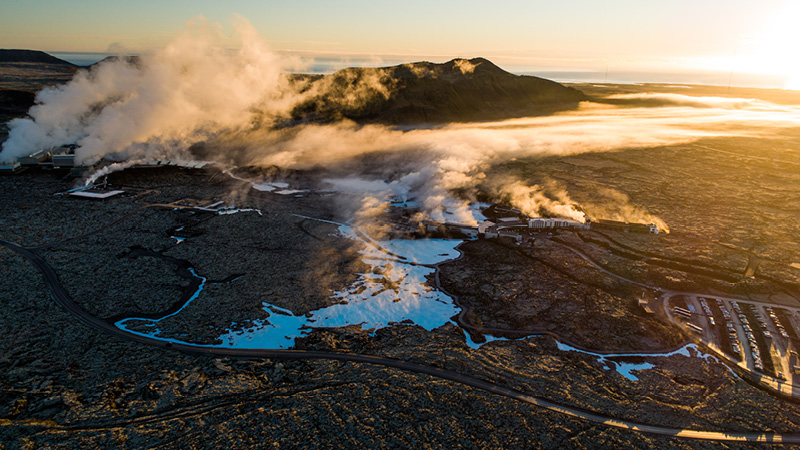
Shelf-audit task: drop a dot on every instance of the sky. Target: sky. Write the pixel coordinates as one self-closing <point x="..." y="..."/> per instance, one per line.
<point x="731" y="38"/>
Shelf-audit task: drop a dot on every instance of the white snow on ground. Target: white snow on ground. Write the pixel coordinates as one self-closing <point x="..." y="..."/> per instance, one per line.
<point x="234" y="210"/>
<point x="625" y="368"/>
<point x="395" y="289"/>
<point x="420" y="251"/>
<point x="477" y="211"/>
<point x="264" y="187"/>
<point x="279" y="330"/>
<point x="447" y="213"/>
<point x="178" y="239"/>
<point x="392" y="291"/>
<point x="474" y="345"/>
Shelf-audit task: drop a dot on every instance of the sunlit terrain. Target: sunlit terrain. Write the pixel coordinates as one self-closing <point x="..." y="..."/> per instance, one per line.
<point x="213" y="242"/>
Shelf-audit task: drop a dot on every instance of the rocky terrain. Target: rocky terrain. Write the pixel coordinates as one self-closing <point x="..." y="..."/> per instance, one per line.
<point x="22" y="74"/>
<point x="67" y="385"/>
<point x="29" y="56"/>
<point x="427" y="93"/>
<point x="705" y="194"/>
<point x="505" y="287"/>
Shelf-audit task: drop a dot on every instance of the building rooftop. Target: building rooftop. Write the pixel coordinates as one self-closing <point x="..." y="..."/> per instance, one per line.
<point x="95" y="194"/>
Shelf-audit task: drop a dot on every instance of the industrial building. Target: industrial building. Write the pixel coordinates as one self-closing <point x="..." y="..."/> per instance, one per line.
<point x="512" y="223"/>
<point x="545" y="224"/>
<point x="10" y="168"/>
<point x="36" y="159"/>
<point x="54" y="158"/>
<point x="96" y="194"/>
<point x="615" y="225"/>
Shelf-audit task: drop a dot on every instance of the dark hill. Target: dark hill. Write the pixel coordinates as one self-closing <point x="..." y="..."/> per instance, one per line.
<point x="424" y="92"/>
<point x="14" y="103"/>
<point x="29" y="56"/>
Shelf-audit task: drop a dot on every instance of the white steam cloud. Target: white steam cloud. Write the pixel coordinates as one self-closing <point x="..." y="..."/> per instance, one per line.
<point x="187" y="91"/>
<point x="196" y="91"/>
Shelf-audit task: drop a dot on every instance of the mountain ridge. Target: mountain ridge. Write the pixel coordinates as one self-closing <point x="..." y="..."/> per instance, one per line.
<point x="418" y="93"/>
<point x="29" y="56"/>
<point x="424" y="92"/>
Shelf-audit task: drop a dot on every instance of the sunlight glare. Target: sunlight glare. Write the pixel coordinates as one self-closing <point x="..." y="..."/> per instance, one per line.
<point x="775" y="49"/>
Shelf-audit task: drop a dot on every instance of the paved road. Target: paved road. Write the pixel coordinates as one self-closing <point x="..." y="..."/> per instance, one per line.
<point x="62" y="298"/>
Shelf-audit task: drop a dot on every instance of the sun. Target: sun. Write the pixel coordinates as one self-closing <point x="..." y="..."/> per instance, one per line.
<point x="768" y="52"/>
<point x="773" y="51"/>
<point x="793" y="83"/>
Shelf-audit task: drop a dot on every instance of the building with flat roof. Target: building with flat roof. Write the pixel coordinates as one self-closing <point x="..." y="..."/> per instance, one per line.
<point x="97" y="194"/>
<point x="542" y="223"/>
<point x="35" y="159"/>
<point x="616" y="225"/>
<point x="60" y="161"/>
<point x="10" y="167"/>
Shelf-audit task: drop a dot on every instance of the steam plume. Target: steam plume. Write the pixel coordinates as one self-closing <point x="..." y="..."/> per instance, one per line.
<point x="172" y="97"/>
<point x="196" y="91"/>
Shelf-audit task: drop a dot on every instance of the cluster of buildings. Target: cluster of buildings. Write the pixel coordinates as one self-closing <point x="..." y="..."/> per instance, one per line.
<point x="94" y="192"/>
<point x="512" y="223"/>
<point x="616" y="225"/>
<point x="686" y="315"/>
<point x="514" y="228"/>
<point x="55" y="158"/>
<point x="64" y="158"/>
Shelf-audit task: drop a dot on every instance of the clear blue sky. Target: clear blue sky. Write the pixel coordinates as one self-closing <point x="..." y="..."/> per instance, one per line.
<point x="564" y="34"/>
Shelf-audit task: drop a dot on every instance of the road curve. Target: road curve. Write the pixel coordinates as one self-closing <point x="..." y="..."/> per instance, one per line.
<point x="61" y="297"/>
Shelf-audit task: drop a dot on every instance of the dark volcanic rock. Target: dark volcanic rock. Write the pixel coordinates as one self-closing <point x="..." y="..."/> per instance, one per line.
<point x="513" y="289"/>
<point x="29" y="56"/>
<point x="424" y="92"/>
<point x="14" y="102"/>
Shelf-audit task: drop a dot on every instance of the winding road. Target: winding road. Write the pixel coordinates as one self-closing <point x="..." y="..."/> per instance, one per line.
<point x="62" y="298"/>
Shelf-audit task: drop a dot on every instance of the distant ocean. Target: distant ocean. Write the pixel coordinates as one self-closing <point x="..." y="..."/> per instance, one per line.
<point x="325" y="65"/>
<point x="81" y="58"/>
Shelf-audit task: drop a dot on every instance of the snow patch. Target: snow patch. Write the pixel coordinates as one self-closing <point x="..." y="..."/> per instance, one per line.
<point x="475" y="345"/>
<point x="625" y="369"/>
<point x="234" y="210"/>
<point x="394" y="290"/>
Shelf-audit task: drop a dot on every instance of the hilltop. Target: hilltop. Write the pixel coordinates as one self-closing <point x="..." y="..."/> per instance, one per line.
<point x="459" y="90"/>
<point x="29" y="56"/>
<point x="425" y="92"/>
<point x="24" y="72"/>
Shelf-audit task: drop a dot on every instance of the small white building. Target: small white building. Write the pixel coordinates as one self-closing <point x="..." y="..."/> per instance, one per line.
<point x="97" y="195"/>
<point x="542" y="223"/>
